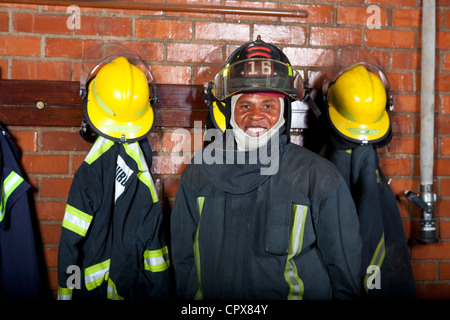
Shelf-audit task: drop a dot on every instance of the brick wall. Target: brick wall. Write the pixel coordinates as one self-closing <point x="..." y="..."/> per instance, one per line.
<point x="36" y="44"/>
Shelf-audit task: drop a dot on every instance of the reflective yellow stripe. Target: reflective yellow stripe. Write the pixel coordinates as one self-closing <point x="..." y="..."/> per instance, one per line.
<point x="156" y="260"/>
<point x="100" y="146"/>
<point x="199" y="294"/>
<point x="12" y="181"/>
<point x="76" y="220"/>
<point x="296" y="287"/>
<point x="377" y="259"/>
<point x="64" y="294"/>
<point x="112" y="291"/>
<point x="135" y="152"/>
<point x="96" y="274"/>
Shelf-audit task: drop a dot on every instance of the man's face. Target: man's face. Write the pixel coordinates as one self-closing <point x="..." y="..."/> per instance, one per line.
<point x="256" y="113"/>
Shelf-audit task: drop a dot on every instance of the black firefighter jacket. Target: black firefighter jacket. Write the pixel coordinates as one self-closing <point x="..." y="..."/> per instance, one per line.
<point x="240" y="234"/>
<point x="112" y="244"/>
<point x="385" y="268"/>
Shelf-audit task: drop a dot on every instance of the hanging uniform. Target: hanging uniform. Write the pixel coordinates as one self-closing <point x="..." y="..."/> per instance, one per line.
<point x="359" y="122"/>
<point x="386" y="266"/>
<point x="20" y="275"/>
<point x="112" y="229"/>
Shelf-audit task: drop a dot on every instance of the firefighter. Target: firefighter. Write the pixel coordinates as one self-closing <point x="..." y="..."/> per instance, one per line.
<point x="240" y="232"/>
<point x="358" y="106"/>
<point x="112" y="243"/>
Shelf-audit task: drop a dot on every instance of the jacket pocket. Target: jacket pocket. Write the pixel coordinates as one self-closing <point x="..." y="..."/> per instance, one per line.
<point x="279" y="222"/>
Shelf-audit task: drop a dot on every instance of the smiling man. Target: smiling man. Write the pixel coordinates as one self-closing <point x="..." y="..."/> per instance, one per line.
<point x="256" y="117"/>
<point x="240" y="234"/>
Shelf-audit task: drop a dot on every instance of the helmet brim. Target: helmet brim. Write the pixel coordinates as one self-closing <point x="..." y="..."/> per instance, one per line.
<point x="361" y="133"/>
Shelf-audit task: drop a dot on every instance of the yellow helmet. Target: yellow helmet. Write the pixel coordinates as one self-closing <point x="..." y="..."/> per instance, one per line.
<point x="357" y="104"/>
<point x="119" y="101"/>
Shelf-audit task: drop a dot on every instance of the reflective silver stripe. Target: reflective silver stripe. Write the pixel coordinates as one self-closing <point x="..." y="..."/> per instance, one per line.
<point x="76" y="220"/>
<point x="64" y="294"/>
<point x="12" y="181"/>
<point x="111" y="291"/>
<point x="95" y="275"/>
<point x="295" y="245"/>
<point x="156" y="260"/>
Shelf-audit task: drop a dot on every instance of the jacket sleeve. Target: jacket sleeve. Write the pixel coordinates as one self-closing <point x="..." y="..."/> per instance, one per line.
<point x="156" y="257"/>
<point x="184" y="222"/>
<point x="339" y="241"/>
<point x="77" y="219"/>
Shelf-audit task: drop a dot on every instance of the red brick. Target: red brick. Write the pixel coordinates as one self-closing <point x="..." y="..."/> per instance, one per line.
<point x="51" y="257"/>
<point x="40" y="70"/>
<point x="446" y="104"/>
<point x="250" y="4"/>
<point x="171" y="187"/>
<point x="153" y="51"/>
<point x="187" y="52"/>
<point x="433" y="291"/>
<point x="445" y="145"/>
<point x="389" y="38"/>
<point x="445" y="187"/>
<point x="44" y="163"/>
<point x="316" y="13"/>
<point x="20" y="46"/>
<point x="50" y="233"/>
<point x="320" y="36"/>
<point x="447" y="19"/>
<point x="77" y="160"/>
<point x="310" y="57"/>
<point x="405" y="60"/>
<point x="406" y="145"/>
<point x="446" y="62"/>
<point x="55" y="187"/>
<point x="281" y="34"/>
<point x="359" y="15"/>
<point x="25" y="140"/>
<point x="3" y="69"/>
<point x="424" y="271"/>
<point x="104" y="26"/>
<point x="163" y="29"/>
<point x="443" y="40"/>
<point x="395" y="166"/>
<point x="406" y="17"/>
<point x="442" y="82"/>
<point x="406" y="102"/>
<point x="181" y="141"/>
<point x="401" y="123"/>
<point x="222" y="31"/>
<point x="391" y="2"/>
<point x="50" y="210"/>
<point x="68" y="141"/>
<point x="70" y="48"/>
<point x="398" y="186"/>
<point x="171" y="74"/>
<point x="153" y="140"/>
<point x="400" y="81"/>
<point x="169" y="164"/>
<point x="440" y="250"/>
<point x="39" y="23"/>
<point x="444" y="232"/>
<point x="4" y="21"/>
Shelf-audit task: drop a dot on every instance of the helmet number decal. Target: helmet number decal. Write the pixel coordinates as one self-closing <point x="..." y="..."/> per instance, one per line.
<point x="259" y="68"/>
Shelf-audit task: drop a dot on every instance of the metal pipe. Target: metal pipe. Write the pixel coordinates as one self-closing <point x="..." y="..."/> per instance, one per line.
<point x="150" y="6"/>
<point x="427" y="232"/>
